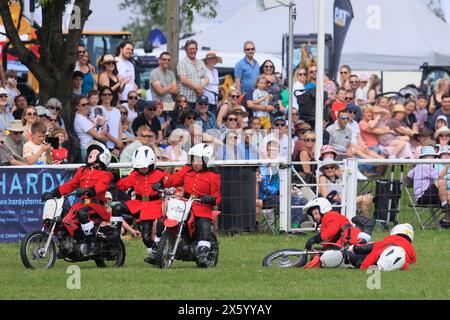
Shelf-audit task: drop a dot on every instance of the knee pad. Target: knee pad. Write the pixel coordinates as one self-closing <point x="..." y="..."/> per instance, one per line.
<point x="147" y="227"/>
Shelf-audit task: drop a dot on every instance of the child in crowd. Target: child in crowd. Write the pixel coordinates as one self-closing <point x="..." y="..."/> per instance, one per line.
<point x="262" y="97"/>
<point x="37" y="151"/>
<point x="421" y="112"/>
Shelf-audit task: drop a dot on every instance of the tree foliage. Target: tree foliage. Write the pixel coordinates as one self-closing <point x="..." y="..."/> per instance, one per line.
<point x="152" y="14"/>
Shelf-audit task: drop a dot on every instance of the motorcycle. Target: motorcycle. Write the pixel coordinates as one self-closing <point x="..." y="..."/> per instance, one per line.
<point x="179" y="238"/>
<point x="38" y="249"/>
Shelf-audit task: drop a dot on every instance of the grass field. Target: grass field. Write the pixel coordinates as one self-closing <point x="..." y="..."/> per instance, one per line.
<point x="239" y="275"/>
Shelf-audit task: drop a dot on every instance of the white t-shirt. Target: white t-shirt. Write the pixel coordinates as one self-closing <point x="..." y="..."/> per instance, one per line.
<point x="30" y="149"/>
<point x="360" y="94"/>
<point x="213" y="86"/>
<point x="354" y="126"/>
<point x="82" y="125"/>
<point x="113" y="120"/>
<point x="131" y="113"/>
<point x="126" y="70"/>
<point x="296" y="86"/>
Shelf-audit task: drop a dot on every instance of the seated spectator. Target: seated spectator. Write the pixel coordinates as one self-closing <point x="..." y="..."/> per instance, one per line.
<point x="299" y="129"/>
<point x="175" y="152"/>
<point x="331" y="187"/>
<point x="131" y="105"/>
<point x="229" y="150"/>
<point x="206" y="117"/>
<point x="421" y="111"/>
<point x="230" y="123"/>
<point x="181" y="105"/>
<point x="430" y="188"/>
<point x="361" y="93"/>
<point x="340" y="135"/>
<point x="424" y="138"/>
<point x="443" y="111"/>
<point x="36" y="151"/>
<point x="279" y="134"/>
<point x="444" y="153"/>
<point x="396" y="123"/>
<point x="5" y="114"/>
<point x="11" y="152"/>
<point x="306" y="153"/>
<point x="29" y="116"/>
<point x="149" y="119"/>
<point x="247" y="149"/>
<point x="351" y="105"/>
<point x="441" y="121"/>
<point x="55" y="106"/>
<point x="187" y="119"/>
<point x="339" y="104"/>
<point x="442" y="136"/>
<point x="20" y="104"/>
<point x="410" y="120"/>
<point x="127" y="132"/>
<point x="11" y="86"/>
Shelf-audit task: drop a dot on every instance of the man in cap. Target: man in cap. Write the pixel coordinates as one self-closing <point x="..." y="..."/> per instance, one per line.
<point x="11" y="151"/>
<point x="149" y="118"/>
<point x="206" y="117"/>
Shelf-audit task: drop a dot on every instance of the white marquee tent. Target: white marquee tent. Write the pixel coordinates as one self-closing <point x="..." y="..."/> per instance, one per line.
<point x="384" y="35"/>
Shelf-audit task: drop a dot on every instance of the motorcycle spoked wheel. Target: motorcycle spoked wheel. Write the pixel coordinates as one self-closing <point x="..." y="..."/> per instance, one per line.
<point x="31" y="250"/>
<point x="111" y="254"/>
<point x="165" y="246"/>
<point x="286" y="258"/>
<point x="213" y="257"/>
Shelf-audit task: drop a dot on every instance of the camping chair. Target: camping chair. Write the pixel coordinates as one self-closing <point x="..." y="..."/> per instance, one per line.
<point x="427" y="215"/>
<point x="268" y="217"/>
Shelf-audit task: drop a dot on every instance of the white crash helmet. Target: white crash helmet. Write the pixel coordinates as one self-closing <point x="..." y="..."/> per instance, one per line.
<point x="392" y="258"/>
<point x="404" y="228"/>
<point x="322" y="203"/>
<point x="143" y="157"/>
<point x="202" y="150"/>
<point x="332" y="259"/>
<point x="104" y="157"/>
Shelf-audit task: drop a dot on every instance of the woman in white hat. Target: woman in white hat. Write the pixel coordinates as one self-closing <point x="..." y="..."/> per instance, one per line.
<point x="109" y="77"/>
<point x="212" y="89"/>
<point x="442" y="136"/>
<point x="12" y="151"/>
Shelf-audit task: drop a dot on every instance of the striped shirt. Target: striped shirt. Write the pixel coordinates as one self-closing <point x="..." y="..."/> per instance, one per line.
<point x="195" y="72"/>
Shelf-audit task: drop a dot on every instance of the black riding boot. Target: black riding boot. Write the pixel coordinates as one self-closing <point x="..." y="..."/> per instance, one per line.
<point x="116" y="227"/>
<point x="365" y="224"/>
<point x="151" y="259"/>
<point x="91" y="246"/>
<point x="202" y="259"/>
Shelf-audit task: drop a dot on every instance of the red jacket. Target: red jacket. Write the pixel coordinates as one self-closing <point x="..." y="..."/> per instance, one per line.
<point x="88" y="178"/>
<point x="199" y="184"/>
<point x="142" y="184"/>
<point x="331" y="225"/>
<point x="378" y="248"/>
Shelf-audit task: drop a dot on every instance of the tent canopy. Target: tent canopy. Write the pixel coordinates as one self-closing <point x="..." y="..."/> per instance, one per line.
<point x="384" y="35"/>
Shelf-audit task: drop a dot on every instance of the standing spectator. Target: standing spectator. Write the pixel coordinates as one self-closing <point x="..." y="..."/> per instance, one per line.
<point x="361" y="93"/>
<point x="421" y="112"/>
<point x="77" y="83"/>
<point x="298" y="86"/>
<point x="36" y="151"/>
<point x="5" y="115"/>
<point x="175" y="152"/>
<point x="374" y="89"/>
<point x="83" y="127"/>
<point x="20" y="103"/>
<point x="150" y="119"/>
<point x="126" y="69"/>
<point x="112" y="114"/>
<point x="131" y="105"/>
<point x="246" y="70"/>
<point x="12" y="150"/>
<point x="440" y="88"/>
<point x="163" y="82"/>
<point x="272" y="86"/>
<point x="340" y="135"/>
<point x="212" y="89"/>
<point x="344" y="81"/>
<point x="193" y="74"/>
<point x="88" y="71"/>
<point x="109" y="77"/>
<point x="207" y="118"/>
<point x="11" y="86"/>
<point x="354" y="82"/>
<point x="444" y="110"/>
<point x="339" y="104"/>
<point x="29" y="116"/>
<point x="55" y="106"/>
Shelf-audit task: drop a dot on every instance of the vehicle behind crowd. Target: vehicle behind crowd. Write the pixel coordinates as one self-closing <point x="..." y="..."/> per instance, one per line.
<point x="180" y="238"/>
<point x="40" y="249"/>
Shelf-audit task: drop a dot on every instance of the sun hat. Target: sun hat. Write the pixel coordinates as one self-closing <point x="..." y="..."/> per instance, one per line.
<point x="443" y="118"/>
<point x="398" y="108"/>
<point x="441" y="130"/>
<point x="42" y="111"/>
<point x="212" y="55"/>
<point x="327" y="162"/>
<point x="363" y="78"/>
<point x="16" y="126"/>
<point x="326" y="149"/>
<point x="427" y="151"/>
<point x="3" y="91"/>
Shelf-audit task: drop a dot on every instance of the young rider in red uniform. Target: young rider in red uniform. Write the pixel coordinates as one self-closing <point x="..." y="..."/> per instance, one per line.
<point x="199" y="181"/>
<point x="92" y="182"/>
<point x="147" y="205"/>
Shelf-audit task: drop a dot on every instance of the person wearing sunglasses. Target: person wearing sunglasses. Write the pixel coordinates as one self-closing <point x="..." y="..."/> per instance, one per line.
<point x="109" y="75"/>
<point x="232" y="103"/>
<point x="163" y="82"/>
<point x="268" y="71"/>
<point x="55" y="106"/>
<point x="149" y="118"/>
<point x="206" y="117"/>
<point x="299" y="85"/>
<point x="29" y="116"/>
<point x="131" y="105"/>
<point x="11" y="153"/>
<point x="344" y="80"/>
<point x="279" y="134"/>
<point x="246" y="70"/>
<point x="341" y="135"/>
<point x="88" y="71"/>
<point x="5" y="115"/>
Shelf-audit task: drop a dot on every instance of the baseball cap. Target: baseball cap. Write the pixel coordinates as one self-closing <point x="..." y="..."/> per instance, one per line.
<point x="279" y="118"/>
<point x="202" y="99"/>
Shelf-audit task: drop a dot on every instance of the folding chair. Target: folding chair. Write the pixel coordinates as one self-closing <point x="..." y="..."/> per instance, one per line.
<point x="268" y="218"/>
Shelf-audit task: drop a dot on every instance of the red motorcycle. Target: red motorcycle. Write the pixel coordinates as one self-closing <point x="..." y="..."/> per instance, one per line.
<point x="38" y="249"/>
<point x="179" y="238"/>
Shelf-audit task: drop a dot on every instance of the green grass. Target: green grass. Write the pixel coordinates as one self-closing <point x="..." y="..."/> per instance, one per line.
<point x="239" y="275"/>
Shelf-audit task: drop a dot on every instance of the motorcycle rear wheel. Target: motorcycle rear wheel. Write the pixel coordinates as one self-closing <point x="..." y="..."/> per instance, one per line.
<point x="31" y="250"/>
<point x="213" y="257"/>
<point x="286" y="258"/>
<point x="165" y="246"/>
<point x="112" y="254"/>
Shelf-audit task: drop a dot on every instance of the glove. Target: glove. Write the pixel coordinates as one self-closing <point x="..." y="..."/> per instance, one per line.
<point x="313" y="240"/>
<point x="157" y="186"/>
<point x="208" y="199"/>
<point x="90" y="192"/>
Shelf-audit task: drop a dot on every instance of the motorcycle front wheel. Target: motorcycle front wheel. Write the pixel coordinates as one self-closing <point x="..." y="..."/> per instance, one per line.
<point x="286" y="258"/>
<point x="32" y="251"/>
<point x="110" y="254"/>
<point x="165" y="247"/>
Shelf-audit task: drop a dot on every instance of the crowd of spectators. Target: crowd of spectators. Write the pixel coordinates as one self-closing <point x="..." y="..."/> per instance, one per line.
<point x="249" y="121"/>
